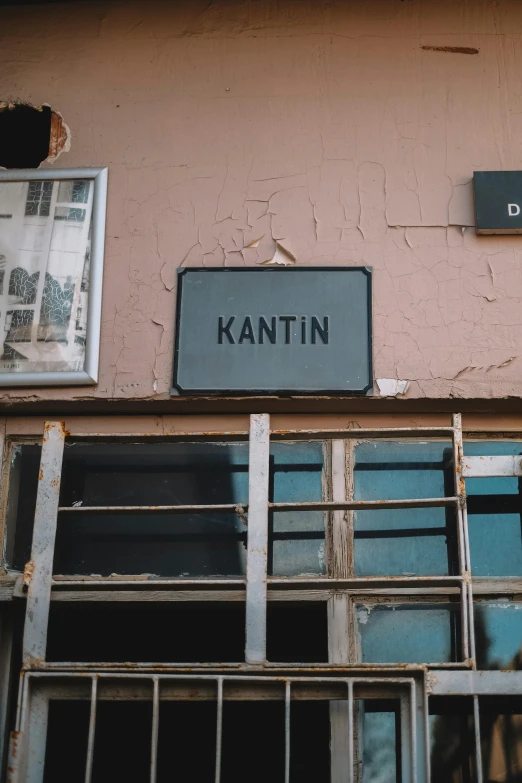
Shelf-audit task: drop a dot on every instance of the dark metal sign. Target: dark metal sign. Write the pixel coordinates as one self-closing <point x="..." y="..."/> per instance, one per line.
<point x="498" y="202"/>
<point x="273" y="331"/>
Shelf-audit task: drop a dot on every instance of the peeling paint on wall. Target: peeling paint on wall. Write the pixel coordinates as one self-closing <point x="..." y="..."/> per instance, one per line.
<point x="345" y="133"/>
<point x="390" y="387"/>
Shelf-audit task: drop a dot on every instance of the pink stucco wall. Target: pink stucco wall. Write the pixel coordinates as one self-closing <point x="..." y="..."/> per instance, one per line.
<point x="324" y="126"/>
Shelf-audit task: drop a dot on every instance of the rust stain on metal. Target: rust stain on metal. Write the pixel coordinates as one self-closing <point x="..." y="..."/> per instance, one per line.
<point x="28" y="574"/>
<point x="451" y="49"/>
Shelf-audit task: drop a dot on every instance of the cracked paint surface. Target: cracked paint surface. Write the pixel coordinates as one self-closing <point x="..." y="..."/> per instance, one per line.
<point x="242" y="133"/>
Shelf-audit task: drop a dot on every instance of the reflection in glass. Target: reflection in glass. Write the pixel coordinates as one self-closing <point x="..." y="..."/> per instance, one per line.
<point x="45" y="251"/>
<point x="408" y="633"/>
<point x="494" y="515"/>
<point x="498" y="634"/>
<point x="451" y="736"/>
<point x="399" y="542"/>
<point x="380" y="728"/>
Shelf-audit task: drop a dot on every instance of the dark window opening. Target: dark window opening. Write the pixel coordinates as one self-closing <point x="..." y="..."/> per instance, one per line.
<point x="181" y="632"/>
<point x="184" y="545"/>
<point x="501" y="739"/>
<point x="253" y="742"/>
<point x="167" y="632"/>
<point x="297" y="632"/>
<point x="25" y="135"/>
<point x="23" y="485"/>
<point x="452" y="740"/>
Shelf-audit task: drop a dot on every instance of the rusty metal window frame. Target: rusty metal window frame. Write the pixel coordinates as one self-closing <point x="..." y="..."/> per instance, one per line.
<point x="339" y="588"/>
<point x="39" y="688"/>
<point x="40" y="584"/>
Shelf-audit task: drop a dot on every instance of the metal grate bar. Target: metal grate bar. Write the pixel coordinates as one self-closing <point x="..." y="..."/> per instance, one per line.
<point x="155" y="730"/>
<point x="460" y="491"/>
<point x="464" y="608"/>
<point x="351" y="759"/>
<point x="354" y="505"/>
<point x="230" y="508"/>
<point x="39" y="572"/>
<point x="256" y="591"/>
<point x="413" y="731"/>
<point x="488" y="467"/>
<point x="287" y="730"/>
<point x="219" y="729"/>
<point x="92" y="731"/>
<point x="478" y="749"/>
<point x="240" y="510"/>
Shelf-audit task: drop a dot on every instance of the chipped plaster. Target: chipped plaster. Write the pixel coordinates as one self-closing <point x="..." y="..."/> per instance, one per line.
<point x="339" y="133"/>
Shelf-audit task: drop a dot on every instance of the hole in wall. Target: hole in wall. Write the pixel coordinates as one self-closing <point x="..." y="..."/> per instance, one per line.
<point x="30" y="135"/>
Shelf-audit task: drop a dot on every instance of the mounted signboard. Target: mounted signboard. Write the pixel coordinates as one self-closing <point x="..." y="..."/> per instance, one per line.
<point x="273" y="331"/>
<point x="498" y="202"/>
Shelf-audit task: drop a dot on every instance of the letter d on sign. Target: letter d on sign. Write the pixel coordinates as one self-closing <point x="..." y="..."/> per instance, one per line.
<point x="513" y="210"/>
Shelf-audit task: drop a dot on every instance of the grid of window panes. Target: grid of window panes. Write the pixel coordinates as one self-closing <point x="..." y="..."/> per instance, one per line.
<point x="394" y="626"/>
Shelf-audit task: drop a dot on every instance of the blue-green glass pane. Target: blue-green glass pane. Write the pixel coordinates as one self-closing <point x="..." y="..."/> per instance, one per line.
<point x="498" y="634"/>
<point x="380" y="754"/>
<point x="296" y="542"/>
<point x="399" y="542"/>
<point x="494" y="515"/>
<point x="408" y="633"/>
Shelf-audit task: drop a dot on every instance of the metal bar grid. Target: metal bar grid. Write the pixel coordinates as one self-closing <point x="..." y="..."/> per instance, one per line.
<point x="397" y="686"/>
<point x="462" y="470"/>
<point x="257" y="581"/>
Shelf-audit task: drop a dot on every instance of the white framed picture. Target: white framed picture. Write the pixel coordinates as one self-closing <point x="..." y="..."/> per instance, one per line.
<point x="52" y="236"/>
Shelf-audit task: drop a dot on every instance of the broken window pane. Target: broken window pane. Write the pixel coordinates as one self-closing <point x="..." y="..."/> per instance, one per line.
<point x="400" y="542"/>
<point x="494" y="513"/>
<point x="110" y="474"/>
<point x="198" y="544"/>
<point x="23" y="484"/>
<point x="408" y="633"/>
<point x="452" y="740"/>
<point x="501" y="739"/>
<point x="498" y="634"/>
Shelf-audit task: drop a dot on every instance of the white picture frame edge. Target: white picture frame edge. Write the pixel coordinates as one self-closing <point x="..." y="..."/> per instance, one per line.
<point x="89" y="375"/>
